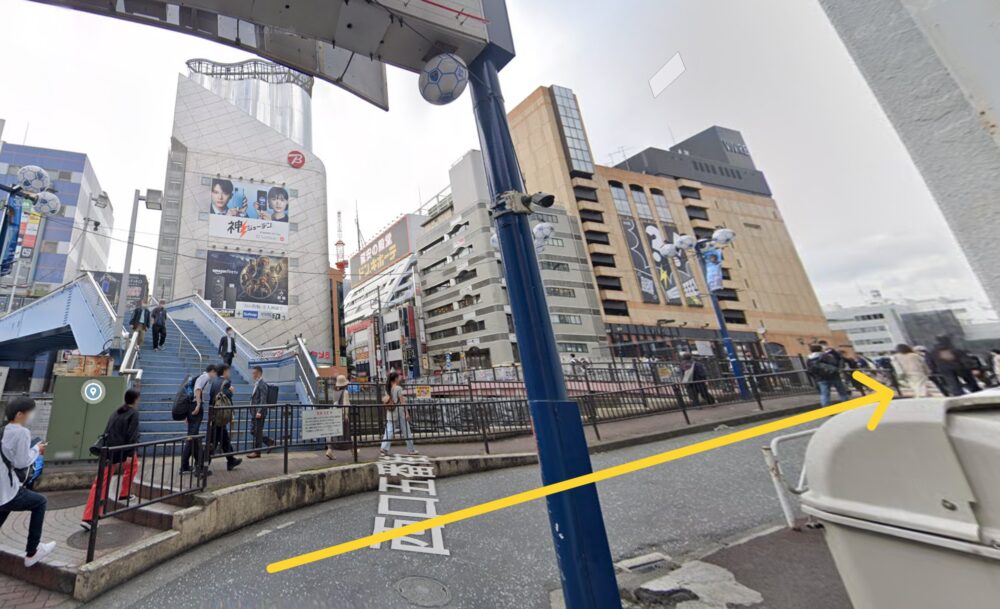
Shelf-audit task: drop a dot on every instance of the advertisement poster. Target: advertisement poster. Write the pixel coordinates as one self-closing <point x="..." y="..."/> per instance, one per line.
<point x="713" y="269"/>
<point x="381" y="252"/>
<point x="248" y="211"/>
<point x="247" y="286"/>
<point x="646" y="284"/>
<point x="688" y="285"/>
<point x="138" y="287"/>
<point x="663" y="267"/>
<point x="30" y="224"/>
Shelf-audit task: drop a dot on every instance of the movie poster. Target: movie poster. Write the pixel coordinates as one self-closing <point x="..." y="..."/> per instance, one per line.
<point x="247" y="286"/>
<point x="248" y="211"/>
<point x="646" y="283"/>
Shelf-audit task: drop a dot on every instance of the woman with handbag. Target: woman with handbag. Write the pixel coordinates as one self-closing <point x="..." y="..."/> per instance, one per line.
<point x="18" y="455"/>
<point x="339" y="399"/>
<point x="122" y="430"/>
<point x="397" y="415"/>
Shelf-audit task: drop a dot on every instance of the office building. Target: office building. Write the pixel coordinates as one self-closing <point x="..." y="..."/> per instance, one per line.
<point x="56" y="249"/>
<point x="653" y="306"/>
<point x="244" y="207"/>
<point x="467" y="313"/>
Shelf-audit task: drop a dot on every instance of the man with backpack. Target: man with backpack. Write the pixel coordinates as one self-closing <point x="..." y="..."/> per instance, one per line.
<point x="18" y="455"/>
<point x="824" y="366"/>
<point x="122" y="430"/>
<point x="199" y="390"/>
<point x="220" y="416"/>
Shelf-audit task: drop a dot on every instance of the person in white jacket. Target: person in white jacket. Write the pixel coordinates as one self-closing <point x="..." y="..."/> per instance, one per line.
<point x="912" y="370"/>
<point x="18" y="454"/>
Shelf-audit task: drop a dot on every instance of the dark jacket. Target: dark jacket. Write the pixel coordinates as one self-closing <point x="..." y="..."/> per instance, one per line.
<point x="259" y="397"/>
<point x="224" y="345"/>
<point x="159" y="316"/>
<point x="122" y="429"/>
<point x="140" y="316"/>
<point x="699" y="373"/>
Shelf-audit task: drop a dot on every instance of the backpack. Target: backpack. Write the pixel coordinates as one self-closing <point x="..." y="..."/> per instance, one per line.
<point x="821" y="369"/>
<point x="183" y="400"/>
<point x="25" y="475"/>
<point x="221" y="414"/>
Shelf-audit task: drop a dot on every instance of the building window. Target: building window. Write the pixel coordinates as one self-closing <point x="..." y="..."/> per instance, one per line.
<point x="434" y="289"/>
<point x="585" y="193"/>
<point x="554" y="266"/>
<point x="468" y="300"/>
<point x="727" y="294"/>
<point x="733" y="316"/>
<point x="562" y="318"/>
<point x="447" y="333"/>
<point x="463" y="252"/>
<point x="442" y="310"/>
<point x="615" y="307"/>
<point x="641" y="203"/>
<point x="466" y="275"/>
<point x="609" y="283"/>
<point x="560" y="292"/>
<point x="436" y="265"/>
<point x="620" y="199"/>
<point x="602" y="260"/>
<point x="391" y="326"/>
<point x="696" y="213"/>
<point x="544" y="217"/>
<point x="433" y="243"/>
<point x="589" y="215"/>
<point x="701" y="232"/>
<point x="572" y="128"/>
<point x="571" y="347"/>
<point x="869" y="317"/>
<point x="392" y="346"/>
<point x="472" y="326"/>
<point x="458" y="228"/>
<point x="689" y="192"/>
<point x="593" y="236"/>
<point x="662" y="209"/>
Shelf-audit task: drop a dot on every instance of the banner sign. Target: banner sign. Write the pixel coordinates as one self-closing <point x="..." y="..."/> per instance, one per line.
<point x="661" y="264"/>
<point x="10" y="229"/>
<point x="713" y="269"/>
<point x="110" y="284"/>
<point x="247" y="286"/>
<point x="646" y="284"/>
<point x="248" y="211"/>
<point x="381" y="252"/>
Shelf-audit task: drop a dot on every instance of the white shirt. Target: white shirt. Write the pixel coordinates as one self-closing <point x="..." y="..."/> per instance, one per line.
<point x="19" y="451"/>
<point x="202" y="383"/>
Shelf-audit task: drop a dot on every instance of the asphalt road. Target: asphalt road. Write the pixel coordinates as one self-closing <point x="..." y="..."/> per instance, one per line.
<point x="502" y="560"/>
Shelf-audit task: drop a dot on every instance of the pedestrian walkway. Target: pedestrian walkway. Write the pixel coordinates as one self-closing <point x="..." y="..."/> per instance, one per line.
<point x="16" y="594"/>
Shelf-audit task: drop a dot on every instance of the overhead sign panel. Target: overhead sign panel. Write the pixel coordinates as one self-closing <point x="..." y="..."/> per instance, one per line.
<point x="345" y="43"/>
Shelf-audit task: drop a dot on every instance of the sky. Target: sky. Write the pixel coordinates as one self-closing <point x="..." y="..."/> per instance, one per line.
<point x="857" y="209"/>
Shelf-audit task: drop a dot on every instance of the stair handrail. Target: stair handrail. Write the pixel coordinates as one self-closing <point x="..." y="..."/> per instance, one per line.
<point x="201" y="361"/>
<point x="102" y="297"/>
<point x="310" y="375"/>
<point x="128" y="368"/>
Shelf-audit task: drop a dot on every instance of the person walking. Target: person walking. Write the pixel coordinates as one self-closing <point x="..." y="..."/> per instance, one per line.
<point x="140" y="322"/>
<point x="220" y="416"/>
<point x="193" y="446"/>
<point x="122" y="429"/>
<point x="912" y="370"/>
<point x="339" y="398"/>
<point x="695" y="377"/>
<point x="18" y="455"/>
<point x="159" y="316"/>
<point x="227" y="347"/>
<point x="951" y="363"/>
<point x="397" y="416"/>
<point x="258" y="397"/>
<point x="824" y="368"/>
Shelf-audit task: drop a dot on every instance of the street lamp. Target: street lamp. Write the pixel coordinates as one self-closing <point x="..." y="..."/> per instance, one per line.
<point x="33" y="184"/>
<point x="154" y="201"/>
<point x="708" y="251"/>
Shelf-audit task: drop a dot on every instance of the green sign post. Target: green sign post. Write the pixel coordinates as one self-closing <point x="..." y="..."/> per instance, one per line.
<point x="80" y="410"/>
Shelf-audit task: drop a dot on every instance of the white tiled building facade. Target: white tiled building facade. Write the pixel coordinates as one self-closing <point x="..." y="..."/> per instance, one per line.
<point x="214" y="139"/>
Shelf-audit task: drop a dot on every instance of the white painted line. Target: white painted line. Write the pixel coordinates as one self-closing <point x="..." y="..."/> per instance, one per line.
<point x="287" y="524"/>
<point x="264" y="532"/>
<point x="666" y="75"/>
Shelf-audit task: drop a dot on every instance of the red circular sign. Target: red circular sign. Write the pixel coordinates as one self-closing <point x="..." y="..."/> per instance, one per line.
<point x="296" y="159"/>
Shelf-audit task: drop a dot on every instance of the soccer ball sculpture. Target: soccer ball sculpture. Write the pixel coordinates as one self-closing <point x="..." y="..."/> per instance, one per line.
<point x="33" y="178"/>
<point x="443" y="79"/>
<point x="46" y="204"/>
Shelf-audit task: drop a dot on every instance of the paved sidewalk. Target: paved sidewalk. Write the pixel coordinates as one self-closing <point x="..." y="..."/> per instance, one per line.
<point x="16" y="594"/>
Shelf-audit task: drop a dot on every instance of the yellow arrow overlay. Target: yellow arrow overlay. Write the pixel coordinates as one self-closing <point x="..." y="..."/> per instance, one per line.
<point x="882" y="396"/>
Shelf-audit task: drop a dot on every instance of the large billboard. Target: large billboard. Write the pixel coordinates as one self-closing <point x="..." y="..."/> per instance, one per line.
<point x="666" y="274"/>
<point x="381" y="252"/>
<point x="642" y="271"/>
<point x="110" y="284"/>
<point x="248" y="211"/>
<point x="247" y="286"/>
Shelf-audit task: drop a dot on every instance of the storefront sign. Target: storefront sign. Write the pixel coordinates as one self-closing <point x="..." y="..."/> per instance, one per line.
<point x="381" y="252"/>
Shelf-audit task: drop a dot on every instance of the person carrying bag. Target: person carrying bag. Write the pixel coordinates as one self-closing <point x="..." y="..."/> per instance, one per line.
<point x="397" y="415"/>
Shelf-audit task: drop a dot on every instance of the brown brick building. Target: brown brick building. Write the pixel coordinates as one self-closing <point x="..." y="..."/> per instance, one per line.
<point x="705" y="182"/>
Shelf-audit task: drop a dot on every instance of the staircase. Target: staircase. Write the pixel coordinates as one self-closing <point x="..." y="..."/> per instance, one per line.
<point x="164" y="371"/>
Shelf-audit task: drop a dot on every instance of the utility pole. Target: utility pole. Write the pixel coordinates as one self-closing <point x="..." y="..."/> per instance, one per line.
<point x="577" y="526"/>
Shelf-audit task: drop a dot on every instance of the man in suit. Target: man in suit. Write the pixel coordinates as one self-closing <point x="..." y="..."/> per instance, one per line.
<point x="140" y="322"/>
<point x="227" y="347"/>
<point x="258" y="397"/>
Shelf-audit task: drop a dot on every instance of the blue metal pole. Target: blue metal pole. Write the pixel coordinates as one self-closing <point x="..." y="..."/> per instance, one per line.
<point x="578" y="531"/>
<point x="727" y="342"/>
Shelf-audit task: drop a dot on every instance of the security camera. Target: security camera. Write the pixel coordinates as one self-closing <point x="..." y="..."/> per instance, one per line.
<point x="539" y="199"/>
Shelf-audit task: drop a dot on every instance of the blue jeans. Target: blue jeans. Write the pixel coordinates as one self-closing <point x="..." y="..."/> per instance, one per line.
<point x="824" y="390"/>
<point x="397" y="420"/>
<point x="27" y="501"/>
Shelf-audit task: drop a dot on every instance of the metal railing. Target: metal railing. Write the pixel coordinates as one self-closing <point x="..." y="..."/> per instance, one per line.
<point x="128" y="368"/>
<point x="180" y="345"/>
<point x="135" y="476"/>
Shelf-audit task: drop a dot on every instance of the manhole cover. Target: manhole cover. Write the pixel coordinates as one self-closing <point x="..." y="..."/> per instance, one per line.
<point x="66" y="500"/>
<point x="424" y="591"/>
<point x="108" y="536"/>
